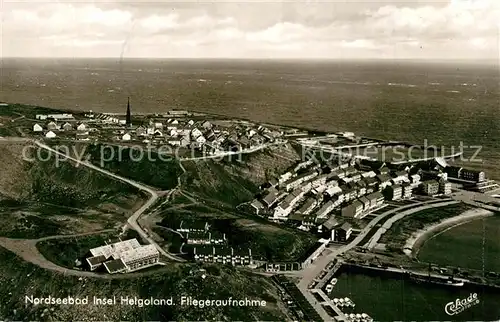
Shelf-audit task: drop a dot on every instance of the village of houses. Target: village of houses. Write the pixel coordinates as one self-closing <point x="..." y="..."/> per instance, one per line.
<point x="327" y="198"/>
<point x="175" y="128"/>
<point x="332" y="198"/>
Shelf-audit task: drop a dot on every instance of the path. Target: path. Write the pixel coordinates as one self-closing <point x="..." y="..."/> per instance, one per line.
<point x="27" y="250"/>
<point x="132" y="220"/>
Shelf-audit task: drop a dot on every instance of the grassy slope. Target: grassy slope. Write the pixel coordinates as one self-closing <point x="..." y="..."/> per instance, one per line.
<point x="236" y="180"/>
<point x="19" y="279"/>
<point x="40" y="198"/>
<point x="155" y="172"/>
<point x="225" y="184"/>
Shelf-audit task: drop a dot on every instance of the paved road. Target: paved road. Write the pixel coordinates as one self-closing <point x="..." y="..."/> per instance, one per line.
<point x="27" y="250"/>
<point x="477" y="199"/>
<point x="132" y="220"/>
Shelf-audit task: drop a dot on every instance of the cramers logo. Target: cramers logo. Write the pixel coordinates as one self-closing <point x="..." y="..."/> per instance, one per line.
<point x="459" y="305"/>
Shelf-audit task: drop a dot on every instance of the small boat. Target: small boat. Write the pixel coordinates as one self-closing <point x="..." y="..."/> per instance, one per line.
<point x="329" y="288"/>
<point x="334" y="281"/>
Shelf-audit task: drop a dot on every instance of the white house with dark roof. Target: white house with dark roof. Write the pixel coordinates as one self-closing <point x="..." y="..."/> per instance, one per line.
<point x="257" y="205"/>
<point x="67" y="127"/>
<point x="52" y="126"/>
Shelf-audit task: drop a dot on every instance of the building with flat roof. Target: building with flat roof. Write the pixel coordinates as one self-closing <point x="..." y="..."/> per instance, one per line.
<point x="444" y="187"/>
<point x="123" y="256"/>
<point x="394" y="192"/>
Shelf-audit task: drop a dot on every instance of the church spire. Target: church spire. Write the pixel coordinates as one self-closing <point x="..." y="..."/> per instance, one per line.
<point x="129" y="118"/>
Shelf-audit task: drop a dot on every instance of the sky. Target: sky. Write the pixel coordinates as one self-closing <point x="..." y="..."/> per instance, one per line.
<point x="418" y="29"/>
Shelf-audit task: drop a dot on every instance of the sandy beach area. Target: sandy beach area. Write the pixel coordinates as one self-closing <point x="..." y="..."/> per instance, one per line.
<point x="418" y="238"/>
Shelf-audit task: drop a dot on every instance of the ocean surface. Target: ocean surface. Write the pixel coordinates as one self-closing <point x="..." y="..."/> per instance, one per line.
<point x="445" y="103"/>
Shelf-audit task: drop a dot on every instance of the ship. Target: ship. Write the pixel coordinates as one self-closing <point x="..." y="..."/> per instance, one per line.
<point x="449" y="281"/>
<point x="434" y="279"/>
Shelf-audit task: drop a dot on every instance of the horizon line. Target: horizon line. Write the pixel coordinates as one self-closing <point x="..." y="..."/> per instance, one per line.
<point x="476" y="60"/>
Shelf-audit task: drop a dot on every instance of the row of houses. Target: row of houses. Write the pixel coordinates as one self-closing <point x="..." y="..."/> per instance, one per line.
<point x="223" y="255"/>
<point x="363" y="205"/>
<point x="205" y="238"/>
<point x="435" y="187"/>
<point x="201" y="134"/>
<point x="324" y="192"/>
<point x="53" y="126"/>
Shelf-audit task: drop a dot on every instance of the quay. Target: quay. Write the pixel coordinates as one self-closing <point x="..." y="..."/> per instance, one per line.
<point x="328" y="302"/>
<point x="329" y="275"/>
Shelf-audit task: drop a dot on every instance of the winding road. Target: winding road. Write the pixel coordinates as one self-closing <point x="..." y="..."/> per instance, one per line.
<point x="132" y="220"/>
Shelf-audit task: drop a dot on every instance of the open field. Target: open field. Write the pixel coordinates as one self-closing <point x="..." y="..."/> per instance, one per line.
<point x="130" y="163"/>
<point x="472" y="245"/>
<point x="20" y="279"/>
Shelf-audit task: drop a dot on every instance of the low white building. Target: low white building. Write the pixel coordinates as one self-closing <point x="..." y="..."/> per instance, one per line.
<point x="126" y="137"/>
<point x="123" y="256"/>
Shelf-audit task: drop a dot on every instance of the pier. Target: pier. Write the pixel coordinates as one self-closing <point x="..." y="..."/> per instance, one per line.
<point x="328" y="302"/>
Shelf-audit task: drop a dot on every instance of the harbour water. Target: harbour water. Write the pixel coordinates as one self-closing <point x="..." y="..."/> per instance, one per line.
<point x="473" y="245"/>
<point x="387" y="298"/>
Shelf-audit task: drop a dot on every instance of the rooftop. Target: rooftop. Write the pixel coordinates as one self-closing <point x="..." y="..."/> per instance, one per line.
<point x="115" y="249"/>
<point x="114" y="266"/>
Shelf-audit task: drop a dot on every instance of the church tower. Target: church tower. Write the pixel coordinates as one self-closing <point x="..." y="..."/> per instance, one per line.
<point x="129" y="117"/>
